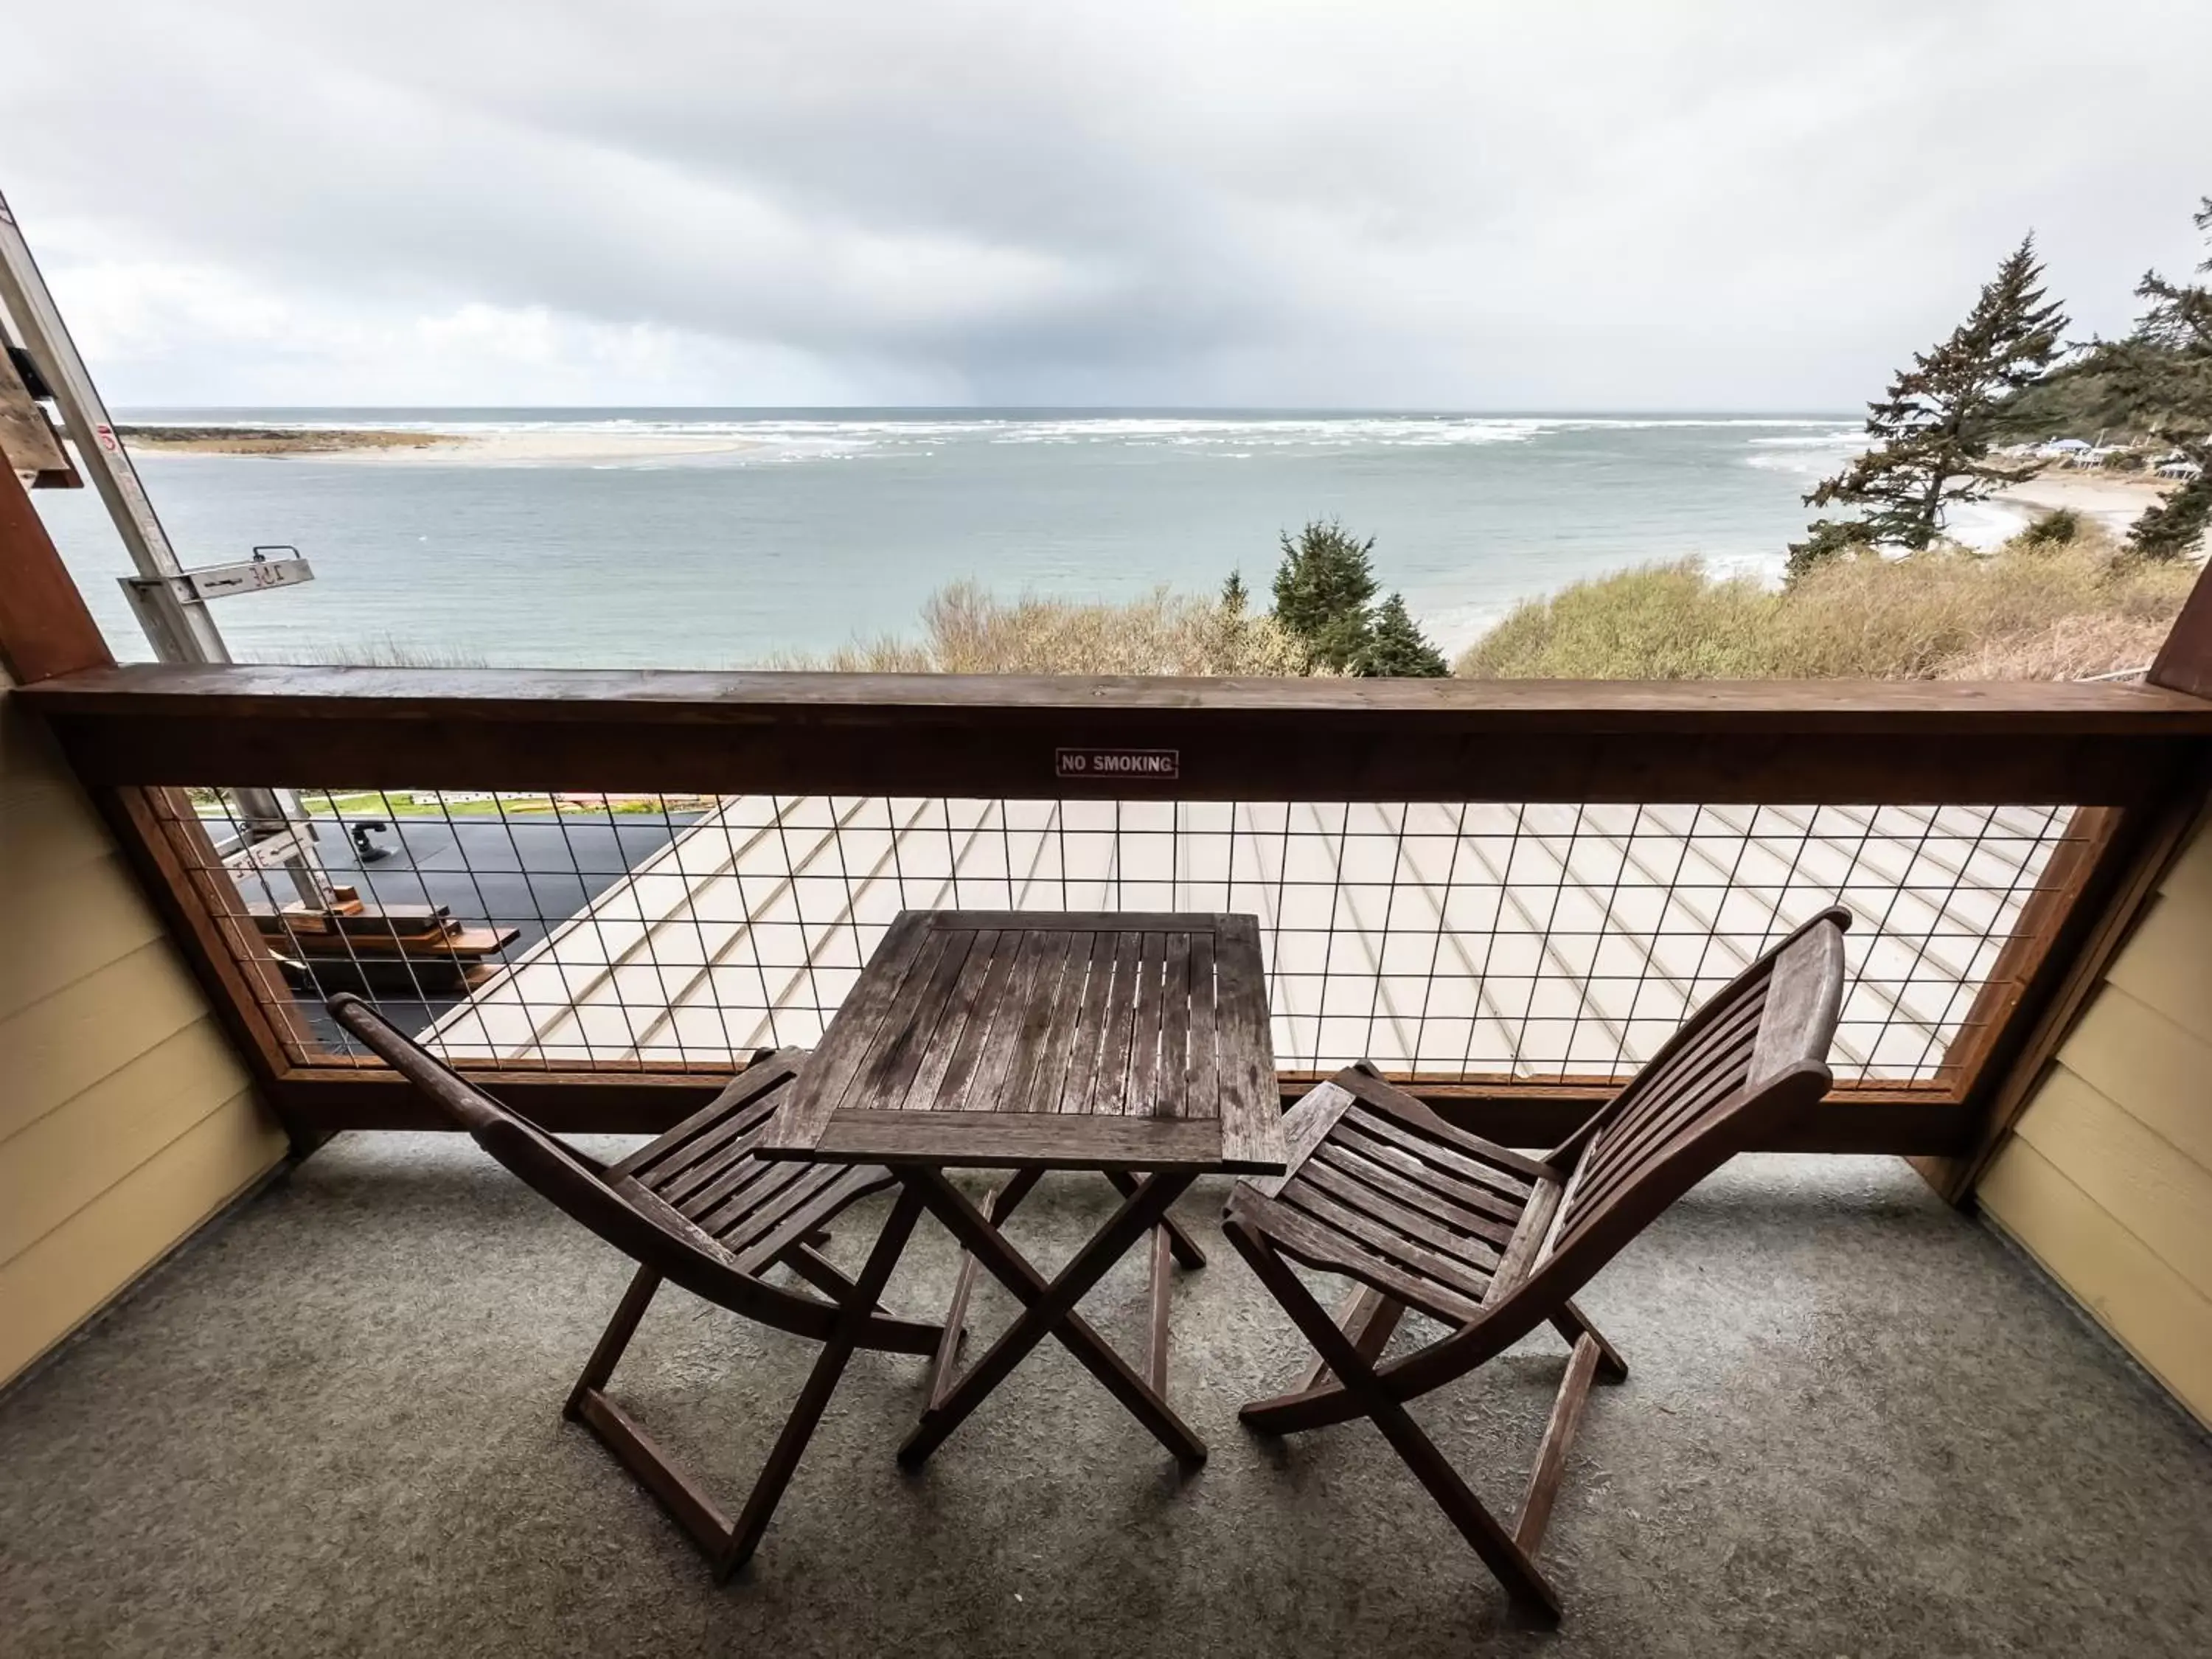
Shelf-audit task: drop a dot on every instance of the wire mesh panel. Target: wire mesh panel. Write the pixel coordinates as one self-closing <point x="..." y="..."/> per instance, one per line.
<point x="1446" y="942"/>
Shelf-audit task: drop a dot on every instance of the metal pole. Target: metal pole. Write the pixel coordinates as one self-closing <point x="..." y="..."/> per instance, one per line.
<point x="176" y="620"/>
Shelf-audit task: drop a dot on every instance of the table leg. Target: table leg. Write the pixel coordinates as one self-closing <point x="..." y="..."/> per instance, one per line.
<point x="996" y="1208"/>
<point x="1049" y="1309"/>
<point x="1186" y="1248"/>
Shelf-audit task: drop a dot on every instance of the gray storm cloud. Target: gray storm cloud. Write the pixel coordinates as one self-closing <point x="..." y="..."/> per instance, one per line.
<point x="1723" y="205"/>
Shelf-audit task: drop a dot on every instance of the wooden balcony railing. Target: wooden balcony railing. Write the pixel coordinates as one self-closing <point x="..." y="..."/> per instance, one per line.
<point x="2008" y="833"/>
<point x="2125" y="761"/>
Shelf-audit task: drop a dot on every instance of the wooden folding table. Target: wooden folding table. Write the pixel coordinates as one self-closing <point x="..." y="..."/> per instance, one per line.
<point x="1133" y="1044"/>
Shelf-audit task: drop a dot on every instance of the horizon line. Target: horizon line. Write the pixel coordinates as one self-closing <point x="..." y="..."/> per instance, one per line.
<point x="1500" y="412"/>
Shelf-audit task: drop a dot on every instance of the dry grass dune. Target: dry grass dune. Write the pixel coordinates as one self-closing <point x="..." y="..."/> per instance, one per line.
<point x="967" y="630"/>
<point x="2062" y="611"/>
<point x="2058" y="611"/>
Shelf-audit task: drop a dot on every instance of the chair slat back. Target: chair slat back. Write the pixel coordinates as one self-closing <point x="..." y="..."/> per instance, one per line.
<point x="1699" y="1100"/>
<point x="691" y="1258"/>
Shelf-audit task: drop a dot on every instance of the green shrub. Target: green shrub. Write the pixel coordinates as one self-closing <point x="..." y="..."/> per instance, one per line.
<point x="1666" y="622"/>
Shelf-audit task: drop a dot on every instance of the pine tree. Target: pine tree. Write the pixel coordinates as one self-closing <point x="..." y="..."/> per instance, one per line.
<point x="1396" y="647"/>
<point x="1322" y="590"/>
<point x="2162" y="373"/>
<point x="1935" y="427"/>
<point x="1236" y="597"/>
<point x="2171" y="529"/>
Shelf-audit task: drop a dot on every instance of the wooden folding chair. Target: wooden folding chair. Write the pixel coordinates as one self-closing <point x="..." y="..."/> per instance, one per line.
<point x="1493" y="1244"/>
<point x="698" y="1208"/>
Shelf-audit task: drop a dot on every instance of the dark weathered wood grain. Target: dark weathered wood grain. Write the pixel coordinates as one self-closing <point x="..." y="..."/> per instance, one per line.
<point x="1173" y="1089"/>
<point x="1495" y="1244"/>
<point x="1483" y="1220"/>
<point x="1031" y="1040"/>
<point x="839" y="1055"/>
<point x="1251" y="1126"/>
<point x="902" y="1042"/>
<point x="1009" y="1140"/>
<point x="1041" y="1006"/>
<point x="1202" y="1092"/>
<point x="1109" y="1083"/>
<point x="739" y="1217"/>
<point x="1042" y="1092"/>
<point x="931" y="1080"/>
<point x="990" y="737"/>
<point x="1016" y="1012"/>
<point x="1089" y="1033"/>
<point x="977" y="999"/>
<point x="1543" y="1488"/>
<point x="1142" y="1095"/>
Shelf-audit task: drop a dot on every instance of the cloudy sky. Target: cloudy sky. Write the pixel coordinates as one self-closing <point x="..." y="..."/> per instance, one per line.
<point x="1705" y="205"/>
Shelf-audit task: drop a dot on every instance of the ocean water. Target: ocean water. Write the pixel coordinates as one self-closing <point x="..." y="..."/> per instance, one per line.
<point x="829" y="525"/>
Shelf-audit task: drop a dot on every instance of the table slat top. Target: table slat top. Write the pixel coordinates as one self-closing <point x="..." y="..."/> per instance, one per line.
<point x="1086" y="1040"/>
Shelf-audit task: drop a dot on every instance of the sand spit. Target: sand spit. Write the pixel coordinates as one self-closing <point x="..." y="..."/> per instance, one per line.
<point x="397" y="445"/>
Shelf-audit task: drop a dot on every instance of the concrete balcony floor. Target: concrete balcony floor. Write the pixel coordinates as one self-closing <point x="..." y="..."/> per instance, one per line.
<point x="1857" y="1424"/>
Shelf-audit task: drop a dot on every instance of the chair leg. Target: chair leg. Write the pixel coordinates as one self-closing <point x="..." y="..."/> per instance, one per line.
<point x="798" y="1428"/>
<point x="622" y="1327"/>
<point x="1573" y="1325"/>
<point x="1508" y="1562"/>
<point x="730" y="1544"/>
<point x="1368" y="1318"/>
<point x="1551" y="1455"/>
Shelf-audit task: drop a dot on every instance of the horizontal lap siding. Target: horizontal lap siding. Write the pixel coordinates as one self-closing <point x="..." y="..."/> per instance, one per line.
<point x="2107" y="1179"/>
<point x="126" y="1120"/>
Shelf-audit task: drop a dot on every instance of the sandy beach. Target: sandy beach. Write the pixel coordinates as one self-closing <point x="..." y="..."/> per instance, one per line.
<point x="2110" y="499"/>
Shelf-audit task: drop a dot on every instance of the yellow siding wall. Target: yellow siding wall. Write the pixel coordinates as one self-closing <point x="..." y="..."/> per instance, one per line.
<point x="126" y="1120"/>
<point x="2107" y="1179"/>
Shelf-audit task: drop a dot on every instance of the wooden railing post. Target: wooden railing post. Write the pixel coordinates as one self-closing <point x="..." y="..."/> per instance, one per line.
<point x="2099" y="884"/>
<point x="46" y="632"/>
<point x="44" y="629"/>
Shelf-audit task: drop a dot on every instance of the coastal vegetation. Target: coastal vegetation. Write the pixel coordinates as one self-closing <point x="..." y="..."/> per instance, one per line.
<point x="2061" y="600"/>
<point x="1932" y="432"/>
<point x="1325" y="590"/>
<point x="968" y="631"/>
<point x="1325" y="622"/>
<point x="1935" y="435"/>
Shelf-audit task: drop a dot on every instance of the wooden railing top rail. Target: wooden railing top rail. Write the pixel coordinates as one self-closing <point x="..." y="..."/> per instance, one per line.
<point x="1805" y="742"/>
<point x="683" y="694"/>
